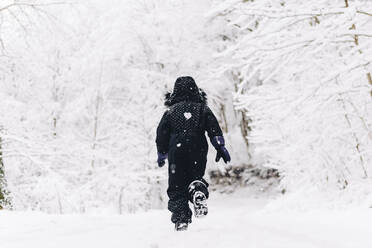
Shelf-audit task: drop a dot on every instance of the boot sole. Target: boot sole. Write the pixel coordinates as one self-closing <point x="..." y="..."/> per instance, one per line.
<point x="200" y="206"/>
<point x="184" y="228"/>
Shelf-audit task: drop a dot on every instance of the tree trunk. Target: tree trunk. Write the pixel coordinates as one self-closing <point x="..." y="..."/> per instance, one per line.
<point x="244" y="128"/>
<point x="244" y="120"/>
<point x="354" y="134"/>
<point x="369" y="79"/>
<point x="3" y="192"/>
<point x="223" y="116"/>
<point x="95" y="128"/>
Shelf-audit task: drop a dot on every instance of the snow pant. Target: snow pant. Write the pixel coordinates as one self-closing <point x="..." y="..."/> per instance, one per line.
<point x="186" y="171"/>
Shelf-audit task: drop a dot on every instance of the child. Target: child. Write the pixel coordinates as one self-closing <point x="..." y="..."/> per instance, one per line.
<point x="181" y="139"/>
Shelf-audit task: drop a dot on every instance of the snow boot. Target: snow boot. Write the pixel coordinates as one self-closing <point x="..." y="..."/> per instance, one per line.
<point x="181" y="226"/>
<point x="200" y="204"/>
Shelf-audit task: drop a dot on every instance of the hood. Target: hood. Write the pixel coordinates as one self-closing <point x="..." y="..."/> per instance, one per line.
<point x="185" y="89"/>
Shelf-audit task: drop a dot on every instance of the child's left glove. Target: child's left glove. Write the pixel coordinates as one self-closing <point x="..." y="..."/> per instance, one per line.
<point x="161" y="159"/>
<point x="219" y="143"/>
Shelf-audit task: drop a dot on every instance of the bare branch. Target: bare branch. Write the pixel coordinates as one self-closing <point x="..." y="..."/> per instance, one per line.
<point x="273" y="14"/>
<point x="369" y="78"/>
<point x="356" y="34"/>
<point x="364" y="13"/>
<point x="30" y="5"/>
<point x="17" y="19"/>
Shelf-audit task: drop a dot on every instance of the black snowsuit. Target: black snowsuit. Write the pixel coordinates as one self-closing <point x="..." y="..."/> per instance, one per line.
<point x="181" y="134"/>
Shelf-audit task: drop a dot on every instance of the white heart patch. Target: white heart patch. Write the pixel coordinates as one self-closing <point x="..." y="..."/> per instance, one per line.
<point x="187" y="115"/>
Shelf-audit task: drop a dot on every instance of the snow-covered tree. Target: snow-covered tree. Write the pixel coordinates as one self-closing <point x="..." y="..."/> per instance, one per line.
<point x="84" y="93"/>
<point x="15" y="18"/>
<point x="304" y="78"/>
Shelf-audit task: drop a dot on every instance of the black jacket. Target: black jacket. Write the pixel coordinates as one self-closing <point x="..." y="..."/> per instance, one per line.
<point x="186" y="121"/>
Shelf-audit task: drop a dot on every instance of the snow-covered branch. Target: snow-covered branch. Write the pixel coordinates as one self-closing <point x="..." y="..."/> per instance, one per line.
<point x="302" y="77"/>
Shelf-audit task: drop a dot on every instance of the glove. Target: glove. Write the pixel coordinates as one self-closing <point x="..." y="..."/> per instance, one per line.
<point x="219" y="143"/>
<point x="161" y="159"/>
<point x="224" y="154"/>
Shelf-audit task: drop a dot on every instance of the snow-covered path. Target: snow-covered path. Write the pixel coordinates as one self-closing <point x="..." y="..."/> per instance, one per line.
<point x="233" y="222"/>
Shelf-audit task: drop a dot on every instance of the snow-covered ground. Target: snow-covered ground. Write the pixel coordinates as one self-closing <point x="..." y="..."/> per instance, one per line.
<point x="234" y="221"/>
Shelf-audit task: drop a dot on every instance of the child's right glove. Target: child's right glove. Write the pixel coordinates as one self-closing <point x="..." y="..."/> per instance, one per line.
<point x="161" y="159"/>
<point x="219" y="143"/>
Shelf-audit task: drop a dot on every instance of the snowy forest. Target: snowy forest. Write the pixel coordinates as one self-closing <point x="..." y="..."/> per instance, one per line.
<point x="83" y="85"/>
